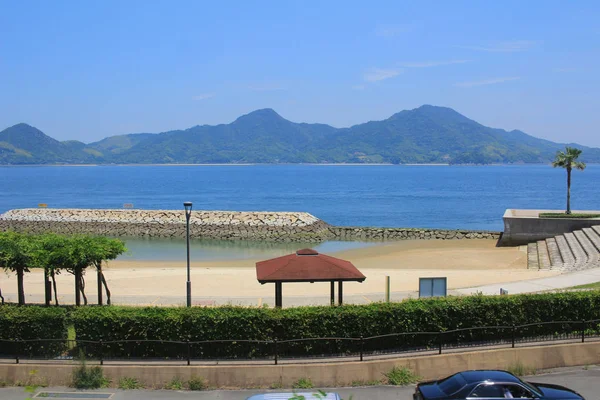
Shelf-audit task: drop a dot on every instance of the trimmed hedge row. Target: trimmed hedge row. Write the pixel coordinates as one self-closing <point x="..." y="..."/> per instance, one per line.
<point x="122" y="330"/>
<point x="27" y="323"/>
<point x="237" y="323"/>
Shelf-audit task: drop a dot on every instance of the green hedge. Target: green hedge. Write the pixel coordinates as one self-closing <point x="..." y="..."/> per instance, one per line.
<point x="28" y="323"/>
<point x="236" y="323"/>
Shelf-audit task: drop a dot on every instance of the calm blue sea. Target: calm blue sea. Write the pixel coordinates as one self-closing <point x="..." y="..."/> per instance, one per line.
<point x="469" y="197"/>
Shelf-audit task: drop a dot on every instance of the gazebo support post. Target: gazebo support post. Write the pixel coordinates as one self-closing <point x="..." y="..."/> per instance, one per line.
<point x="340" y="293"/>
<point x="332" y="293"/>
<point x="278" y="295"/>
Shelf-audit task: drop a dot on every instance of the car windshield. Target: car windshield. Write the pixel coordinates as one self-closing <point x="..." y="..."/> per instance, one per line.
<point x="452" y="384"/>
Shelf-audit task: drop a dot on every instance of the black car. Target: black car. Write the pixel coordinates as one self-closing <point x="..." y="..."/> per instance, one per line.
<point x="489" y="384"/>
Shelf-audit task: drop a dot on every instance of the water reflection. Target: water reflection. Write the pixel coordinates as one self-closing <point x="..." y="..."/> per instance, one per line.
<point x="170" y="249"/>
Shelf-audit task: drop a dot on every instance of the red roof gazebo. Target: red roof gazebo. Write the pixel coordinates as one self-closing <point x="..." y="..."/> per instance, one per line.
<point x="307" y="265"/>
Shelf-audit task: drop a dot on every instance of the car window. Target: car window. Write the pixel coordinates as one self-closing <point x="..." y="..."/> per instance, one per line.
<point x="452" y="384"/>
<point x="486" y="390"/>
<point x="516" y="392"/>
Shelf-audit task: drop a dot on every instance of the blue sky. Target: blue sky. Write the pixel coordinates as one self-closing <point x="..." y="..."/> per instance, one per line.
<point x="89" y="69"/>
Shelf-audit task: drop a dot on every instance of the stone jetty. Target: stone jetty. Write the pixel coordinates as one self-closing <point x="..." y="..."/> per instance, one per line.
<point x="224" y="225"/>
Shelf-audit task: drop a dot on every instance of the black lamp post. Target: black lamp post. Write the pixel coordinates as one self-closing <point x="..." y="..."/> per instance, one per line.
<point x="188" y="212"/>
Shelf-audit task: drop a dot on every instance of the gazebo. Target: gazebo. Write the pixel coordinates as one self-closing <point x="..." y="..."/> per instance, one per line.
<point x="307" y="265"/>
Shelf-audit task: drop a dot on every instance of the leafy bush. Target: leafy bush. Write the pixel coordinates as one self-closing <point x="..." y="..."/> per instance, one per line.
<point x="452" y="315"/>
<point x="85" y="377"/>
<point x="401" y="376"/>
<point x="32" y="322"/>
<point x="175" y="384"/>
<point x="303" y="383"/>
<point x="126" y="383"/>
<point x="197" y="383"/>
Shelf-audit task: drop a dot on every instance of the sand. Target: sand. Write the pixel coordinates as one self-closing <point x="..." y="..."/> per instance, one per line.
<point x="466" y="263"/>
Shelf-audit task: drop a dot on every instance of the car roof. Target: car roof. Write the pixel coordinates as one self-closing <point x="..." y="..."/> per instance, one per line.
<point x="492" y="375"/>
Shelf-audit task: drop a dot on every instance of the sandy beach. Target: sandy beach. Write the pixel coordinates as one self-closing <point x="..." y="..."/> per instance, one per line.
<point x="466" y="263"/>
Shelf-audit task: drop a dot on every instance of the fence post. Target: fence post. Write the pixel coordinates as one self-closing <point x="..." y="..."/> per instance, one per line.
<point x="362" y="342"/>
<point x="17" y="348"/>
<point x="276" y="351"/>
<point x="101" y="353"/>
<point x="189" y="352"/>
<point x="440" y="342"/>
<point x="583" y="331"/>
<point x="514" y="333"/>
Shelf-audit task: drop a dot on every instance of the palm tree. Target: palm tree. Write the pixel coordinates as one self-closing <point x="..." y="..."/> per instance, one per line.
<point x="568" y="160"/>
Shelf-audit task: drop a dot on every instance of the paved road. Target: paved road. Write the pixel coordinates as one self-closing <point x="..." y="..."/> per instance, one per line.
<point x="585" y="381"/>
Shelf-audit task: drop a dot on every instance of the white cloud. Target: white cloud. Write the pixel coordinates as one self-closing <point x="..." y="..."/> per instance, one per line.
<point x="203" y="96"/>
<point x="504" y="47"/>
<point x="358" y="87"/>
<point x="389" y="31"/>
<point x="428" y="64"/>
<point x="487" y="81"/>
<point x="380" y="74"/>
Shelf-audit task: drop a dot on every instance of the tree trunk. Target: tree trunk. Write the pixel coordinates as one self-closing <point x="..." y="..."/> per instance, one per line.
<point x="568" y="190"/>
<point x="99" y="282"/>
<point x="82" y="287"/>
<point x="1" y="298"/>
<point x="54" y="285"/>
<point x="77" y="287"/>
<point x="20" y="287"/>
<point x="107" y="291"/>
<point x="47" y="288"/>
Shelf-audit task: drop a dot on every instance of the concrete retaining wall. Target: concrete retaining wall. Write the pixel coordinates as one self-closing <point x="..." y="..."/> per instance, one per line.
<point x="228" y="225"/>
<point x="321" y="374"/>
<point x="524" y="226"/>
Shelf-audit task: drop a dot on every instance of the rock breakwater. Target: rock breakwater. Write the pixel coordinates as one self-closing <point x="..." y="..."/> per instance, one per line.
<point x="224" y="225"/>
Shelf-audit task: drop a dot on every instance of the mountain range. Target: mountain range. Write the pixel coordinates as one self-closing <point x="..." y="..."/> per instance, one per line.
<point x="427" y="134"/>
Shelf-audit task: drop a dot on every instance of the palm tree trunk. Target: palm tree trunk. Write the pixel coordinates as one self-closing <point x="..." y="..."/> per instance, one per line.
<point x="20" y="286"/>
<point x="568" y="190"/>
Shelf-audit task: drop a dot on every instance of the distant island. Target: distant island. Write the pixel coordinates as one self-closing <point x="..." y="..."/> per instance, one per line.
<point x="425" y="135"/>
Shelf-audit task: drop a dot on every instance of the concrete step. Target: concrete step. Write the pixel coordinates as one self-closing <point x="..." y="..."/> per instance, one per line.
<point x="555" y="259"/>
<point x="532" y="256"/>
<point x="543" y="258"/>
<point x="588" y="247"/>
<point x="565" y="251"/>
<point x="578" y="252"/>
<point x="593" y="237"/>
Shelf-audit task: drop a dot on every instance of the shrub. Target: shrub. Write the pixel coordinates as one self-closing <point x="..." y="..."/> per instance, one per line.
<point x="175" y="384"/>
<point x="519" y="369"/>
<point x="32" y="322"/>
<point x="126" y="383"/>
<point x="401" y="376"/>
<point x="197" y="383"/>
<point x="303" y="383"/>
<point x="85" y="377"/>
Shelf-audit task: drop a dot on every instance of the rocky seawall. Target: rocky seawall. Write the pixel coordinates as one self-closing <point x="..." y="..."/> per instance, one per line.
<point x="224" y="225"/>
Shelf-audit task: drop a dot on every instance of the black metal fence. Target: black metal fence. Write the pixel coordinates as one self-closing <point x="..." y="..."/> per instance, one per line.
<point x="296" y="349"/>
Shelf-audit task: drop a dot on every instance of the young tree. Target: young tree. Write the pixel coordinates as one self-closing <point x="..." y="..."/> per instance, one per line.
<point x="15" y="256"/>
<point x="568" y="160"/>
<point x="104" y="249"/>
<point x="51" y="252"/>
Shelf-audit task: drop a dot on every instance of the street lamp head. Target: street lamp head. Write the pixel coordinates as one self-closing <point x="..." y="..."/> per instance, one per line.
<point x="188" y="207"/>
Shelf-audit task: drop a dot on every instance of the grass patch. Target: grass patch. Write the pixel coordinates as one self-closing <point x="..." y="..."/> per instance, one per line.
<point x="303" y="383"/>
<point x="519" y="369"/>
<point x="276" y="385"/>
<point x="565" y="215"/>
<point x="85" y="377"/>
<point x="197" y="383"/>
<point x="126" y="383"/>
<point x="3" y="384"/>
<point x="595" y="285"/>
<point x="175" y="384"/>
<point x="401" y="376"/>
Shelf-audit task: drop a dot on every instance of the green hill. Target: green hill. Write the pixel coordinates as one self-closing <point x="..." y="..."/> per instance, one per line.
<point x="427" y="134"/>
